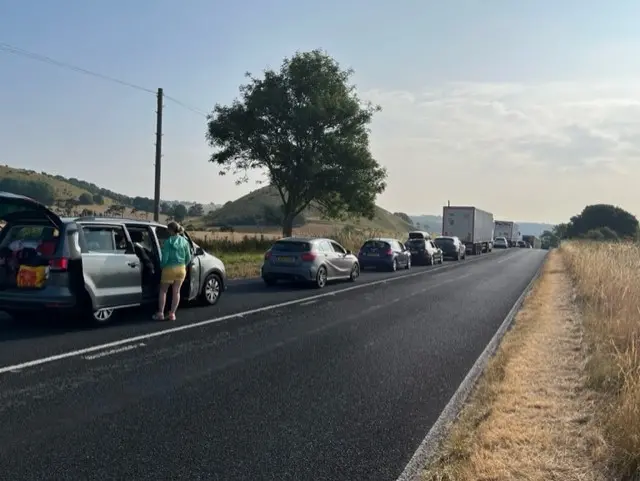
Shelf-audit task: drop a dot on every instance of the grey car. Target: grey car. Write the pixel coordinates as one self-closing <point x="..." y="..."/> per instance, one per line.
<point x="310" y="260"/>
<point x="93" y="266"/>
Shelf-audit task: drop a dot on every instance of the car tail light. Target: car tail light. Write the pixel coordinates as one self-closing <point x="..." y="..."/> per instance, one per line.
<point x="59" y="264"/>
<point x="389" y="252"/>
<point x="308" y="257"/>
<point x="267" y="255"/>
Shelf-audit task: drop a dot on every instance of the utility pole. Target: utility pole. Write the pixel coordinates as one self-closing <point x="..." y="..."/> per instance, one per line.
<point x="156" y="195"/>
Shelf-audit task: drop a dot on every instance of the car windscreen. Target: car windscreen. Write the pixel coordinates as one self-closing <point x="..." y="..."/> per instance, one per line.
<point x="291" y="246"/>
<point x="375" y="245"/>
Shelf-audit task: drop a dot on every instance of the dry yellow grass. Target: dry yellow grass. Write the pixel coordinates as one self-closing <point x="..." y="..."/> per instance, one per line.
<point x="531" y="416"/>
<point x="607" y="278"/>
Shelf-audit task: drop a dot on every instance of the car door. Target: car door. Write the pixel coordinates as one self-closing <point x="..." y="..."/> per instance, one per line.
<point x="111" y="269"/>
<point x="195" y="271"/>
<point x="403" y="252"/>
<point x="343" y="261"/>
<point x="330" y="258"/>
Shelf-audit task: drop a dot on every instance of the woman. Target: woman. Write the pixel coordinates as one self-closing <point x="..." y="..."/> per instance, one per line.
<point x="176" y="256"/>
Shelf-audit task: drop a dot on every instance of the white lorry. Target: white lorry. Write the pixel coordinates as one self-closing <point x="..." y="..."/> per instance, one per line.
<point x="509" y="230"/>
<point x="473" y="226"/>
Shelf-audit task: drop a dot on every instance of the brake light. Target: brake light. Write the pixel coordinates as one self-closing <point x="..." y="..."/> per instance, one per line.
<point x="389" y="252"/>
<point x="59" y="264"/>
<point x="308" y="257"/>
<point x="267" y="255"/>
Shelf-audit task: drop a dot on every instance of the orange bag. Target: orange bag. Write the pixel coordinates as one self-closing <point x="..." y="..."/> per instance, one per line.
<point x="29" y="276"/>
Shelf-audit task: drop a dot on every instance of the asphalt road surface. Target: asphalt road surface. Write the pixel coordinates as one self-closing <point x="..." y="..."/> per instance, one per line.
<point x="336" y="387"/>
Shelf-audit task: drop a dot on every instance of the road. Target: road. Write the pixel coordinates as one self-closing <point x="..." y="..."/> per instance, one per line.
<point x="337" y="387"/>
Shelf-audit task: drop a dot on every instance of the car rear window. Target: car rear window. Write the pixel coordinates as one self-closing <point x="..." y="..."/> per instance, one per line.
<point x="416" y="235"/>
<point x="415" y="242"/>
<point x="443" y="241"/>
<point x="291" y="246"/>
<point x="374" y="244"/>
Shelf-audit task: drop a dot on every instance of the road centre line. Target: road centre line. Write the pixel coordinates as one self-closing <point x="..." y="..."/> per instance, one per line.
<point x="215" y="320"/>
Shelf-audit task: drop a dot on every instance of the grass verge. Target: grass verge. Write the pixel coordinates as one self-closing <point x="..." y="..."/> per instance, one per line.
<point x="531" y="416"/>
<point x="607" y="279"/>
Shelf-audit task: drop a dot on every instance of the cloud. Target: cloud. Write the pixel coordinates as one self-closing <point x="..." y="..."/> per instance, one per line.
<point x="549" y="129"/>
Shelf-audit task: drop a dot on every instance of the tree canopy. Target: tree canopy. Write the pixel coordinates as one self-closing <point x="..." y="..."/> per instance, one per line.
<point x="594" y="218"/>
<point x="305" y="126"/>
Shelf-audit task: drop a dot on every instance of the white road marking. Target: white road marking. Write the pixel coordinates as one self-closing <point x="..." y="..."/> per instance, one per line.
<point x="215" y="320"/>
<point x="507" y="257"/>
<point x="114" y="351"/>
<point x="308" y="303"/>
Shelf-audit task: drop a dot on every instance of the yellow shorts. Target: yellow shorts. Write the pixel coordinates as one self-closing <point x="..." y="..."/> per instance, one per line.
<point x="173" y="274"/>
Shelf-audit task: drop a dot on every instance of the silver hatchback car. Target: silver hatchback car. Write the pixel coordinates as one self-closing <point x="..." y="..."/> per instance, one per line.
<point x="309" y="259"/>
<point x="89" y="265"/>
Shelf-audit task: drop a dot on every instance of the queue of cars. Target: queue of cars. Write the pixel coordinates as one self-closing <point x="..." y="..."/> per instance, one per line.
<point x="317" y="260"/>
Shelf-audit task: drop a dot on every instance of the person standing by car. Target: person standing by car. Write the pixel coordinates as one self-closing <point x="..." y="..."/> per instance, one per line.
<point x="176" y="256"/>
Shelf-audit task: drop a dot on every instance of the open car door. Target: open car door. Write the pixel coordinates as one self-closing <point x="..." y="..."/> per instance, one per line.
<point x="193" y="276"/>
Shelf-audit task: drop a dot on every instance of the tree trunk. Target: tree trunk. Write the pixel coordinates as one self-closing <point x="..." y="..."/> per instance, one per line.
<point x="287" y="225"/>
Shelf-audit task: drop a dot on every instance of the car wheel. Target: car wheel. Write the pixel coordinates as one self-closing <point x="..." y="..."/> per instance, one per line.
<point x="102" y="316"/>
<point x="408" y="266"/>
<point x="211" y="290"/>
<point x="270" y="281"/>
<point x="441" y="259"/>
<point x="394" y="265"/>
<point x="355" y="272"/>
<point x="321" y="277"/>
<point x="430" y="261"/>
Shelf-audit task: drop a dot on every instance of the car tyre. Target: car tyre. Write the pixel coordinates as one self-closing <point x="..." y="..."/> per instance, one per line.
<point x="355" y="272"/>
<point x="211" y="290"/>
<point x="270" y="281"/>
<point x="394" y="265"/>
<point x="321" y="278"/>
<point x="441" y="259"/>
<point x="408" y="266"/>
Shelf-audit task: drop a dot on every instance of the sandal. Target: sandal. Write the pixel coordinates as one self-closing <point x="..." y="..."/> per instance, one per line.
<point x="172" y="317"/>
<point x="158" y="317"/>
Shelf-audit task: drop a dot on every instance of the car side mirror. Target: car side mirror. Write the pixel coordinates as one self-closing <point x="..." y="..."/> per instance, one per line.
<point x="349" y="252"/>
<point x="199" y="251"/>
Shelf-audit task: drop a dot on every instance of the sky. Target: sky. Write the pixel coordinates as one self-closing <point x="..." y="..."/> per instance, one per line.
<point x="529" y="109"/>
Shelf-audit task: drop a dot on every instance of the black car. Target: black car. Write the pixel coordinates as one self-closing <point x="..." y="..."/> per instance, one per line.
<point x="451" y="247"/>
<point x="384" y="253"/>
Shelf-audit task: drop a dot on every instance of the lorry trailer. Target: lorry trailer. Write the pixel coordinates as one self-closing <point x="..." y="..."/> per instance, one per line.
<point x="533" y="241"/>
<point x="473" y="226"/>
<point x="507" y="229"/>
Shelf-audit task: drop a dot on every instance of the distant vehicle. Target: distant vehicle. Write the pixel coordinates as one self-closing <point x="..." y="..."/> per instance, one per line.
<point x="473" y="226"/>
<point x="424" y="251"/>
<point x="501" y="243"/>
<point x="384" y="253"/>
<point x="310" y="260"/>
<point x="507" y="229"/>
<point x="521" y="244"/>
<point x="91" y="266"/>
<point x="451" y="247"/>
<point x="533" y="241"/>
<point x="419" y="234"/>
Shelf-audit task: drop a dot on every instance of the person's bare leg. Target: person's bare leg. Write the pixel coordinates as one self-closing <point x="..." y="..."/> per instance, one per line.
<point x="175" y="298"/>
<point x="162" y="300"/>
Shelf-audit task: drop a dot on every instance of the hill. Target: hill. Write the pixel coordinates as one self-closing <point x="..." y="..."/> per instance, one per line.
<point x="260" y="209"/>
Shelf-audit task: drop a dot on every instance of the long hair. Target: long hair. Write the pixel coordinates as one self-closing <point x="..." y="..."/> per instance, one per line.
<point x="175" y="228"/>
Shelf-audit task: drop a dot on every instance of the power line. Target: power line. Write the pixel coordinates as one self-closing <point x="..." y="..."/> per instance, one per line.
<point x="5" y="47"/>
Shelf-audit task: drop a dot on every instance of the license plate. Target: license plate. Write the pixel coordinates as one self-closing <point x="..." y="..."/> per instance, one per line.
<point x="414" y="252"/>
<point x="373" y="254"/>
<point x="287" y="260"/>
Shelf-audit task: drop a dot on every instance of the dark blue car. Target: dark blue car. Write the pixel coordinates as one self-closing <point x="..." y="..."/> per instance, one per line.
<point x="385" y="253"/>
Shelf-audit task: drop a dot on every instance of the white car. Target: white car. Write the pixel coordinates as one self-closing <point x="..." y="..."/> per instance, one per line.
<point x="500" y="243"/>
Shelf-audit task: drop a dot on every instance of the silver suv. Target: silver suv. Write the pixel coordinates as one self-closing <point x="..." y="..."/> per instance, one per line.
<point x="89" y="265"/>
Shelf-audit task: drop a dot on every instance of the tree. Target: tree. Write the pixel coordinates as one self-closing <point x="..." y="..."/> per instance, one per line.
<point x="595" y="217"/>
<point x="305" y="126"/>
<point x="404" y="217"/>
<point x="98" y="199"/>
<point x="196" y="210"/>
<point x="85" y="199"/>
<point x="179" y="212"/>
